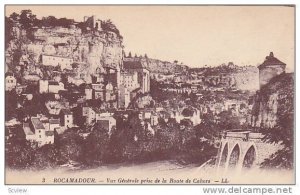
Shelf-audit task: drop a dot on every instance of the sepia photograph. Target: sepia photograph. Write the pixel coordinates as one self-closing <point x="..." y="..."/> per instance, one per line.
<point x="149" y="94"/>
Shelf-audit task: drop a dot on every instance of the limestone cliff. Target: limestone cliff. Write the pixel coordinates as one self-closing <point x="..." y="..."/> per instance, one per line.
<point x="229" y="76"/>
<point x="98" y="49"/>
<point x="247" y="79"/>
<point x="104" y="51"/>
<point x="163" y="67"/>
<point x="273" y="100"/>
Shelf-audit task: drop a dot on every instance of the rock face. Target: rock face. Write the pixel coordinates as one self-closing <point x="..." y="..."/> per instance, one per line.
<point x="100" y="49"/>
<point x="104" y="51"/>
<point x="273" y="100"/>
<point x="247" y="79"/>
<point x="230" y="76"/>
<point x="163" y="67"/>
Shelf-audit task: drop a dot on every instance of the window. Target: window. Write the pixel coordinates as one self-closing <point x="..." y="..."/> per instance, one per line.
<point x="40" y="136"/>
<point x="39" y="131"/>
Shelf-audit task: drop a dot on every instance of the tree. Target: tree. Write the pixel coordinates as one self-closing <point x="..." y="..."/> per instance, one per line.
<point x="48" y="21"/>
<point x="118" y="140"/>
<point x="46" y="156"/>
<point x="14" y="16"/>
<point x="129" y="55"/>
<point x="96" y="145"/>
<point x="19" y="154"/>
<point x="70" y="145"/>
<point x="108" y="25"/>
<point x="8" y="31"/>
<point x="52" y="21"/>
<point x="27" y="19"/>
<point x="208" y="129"/>
<point x="227" y="121"/>
<point x="201" y="147"/>
<point x="281" y="134"/>
<point x="187" y="112"/>
<point x="10" y="104"/>
<point x="82" y="26"/>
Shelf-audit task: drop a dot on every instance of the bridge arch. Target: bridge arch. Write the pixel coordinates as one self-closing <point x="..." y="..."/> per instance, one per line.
<point x="249" y="157"/>
<point x="224" y="155"/>
<point x="234" y="157"/>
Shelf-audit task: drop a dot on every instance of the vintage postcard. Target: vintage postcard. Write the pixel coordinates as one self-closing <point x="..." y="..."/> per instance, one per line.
<point x="161" y="94"/>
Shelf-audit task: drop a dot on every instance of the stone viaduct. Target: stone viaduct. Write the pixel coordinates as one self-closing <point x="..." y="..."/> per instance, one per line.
<point x="242" y="150"/>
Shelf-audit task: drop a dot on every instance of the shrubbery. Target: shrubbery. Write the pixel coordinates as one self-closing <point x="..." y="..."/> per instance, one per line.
<point x="131" y="142"/>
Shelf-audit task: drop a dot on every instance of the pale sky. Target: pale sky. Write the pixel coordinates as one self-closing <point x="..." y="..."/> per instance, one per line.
<point x="194" y="35"/>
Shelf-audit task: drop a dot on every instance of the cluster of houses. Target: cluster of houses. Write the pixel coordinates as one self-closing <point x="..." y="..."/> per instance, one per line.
<point x="60" y="61"/>
<point x="41" y="129"/>
<point x="89" y="72"/>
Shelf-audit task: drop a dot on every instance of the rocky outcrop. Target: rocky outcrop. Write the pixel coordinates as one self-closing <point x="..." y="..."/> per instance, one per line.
<point x="162" y="67"/>
<point x="104" y="52"/>
<point x="228" y="76"/>
<point x="247" y="78"/>
<point x="272" y="101"/>
<point x="100" y="49"/>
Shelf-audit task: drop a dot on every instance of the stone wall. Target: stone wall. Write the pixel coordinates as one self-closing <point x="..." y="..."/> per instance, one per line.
<point x="267" y="73"/>
<point x="243" y="150"/>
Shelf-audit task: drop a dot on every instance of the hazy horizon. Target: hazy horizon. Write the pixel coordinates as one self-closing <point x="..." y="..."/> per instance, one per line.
<point x="194" y="35"/>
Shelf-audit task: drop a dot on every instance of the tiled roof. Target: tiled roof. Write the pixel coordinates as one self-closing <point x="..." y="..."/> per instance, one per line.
<point x="53" y="83"/>
<point x="49" y="133"/>
<point x="54" y="121"/>
<point x="271" y="60"/>
<point x="66" y="111"/>
<point x="88" y="86"/>
<point x="9" y="74"/>
<point x="132" y="64"/>
<point x="104" y="123"/>
<point x="37" y="124"/>
<point x="27" y="129"/>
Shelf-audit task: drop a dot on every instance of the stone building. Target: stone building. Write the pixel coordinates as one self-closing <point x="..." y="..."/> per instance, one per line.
<point x="46" y="86"/>
<point x="131" y="66"/>
<point x="270" y="68"/>
<point x="10" y="82"/>
<point x="93" y="22"/>
<point x="130" y="80"/>
<point x="106" y="120"/>
<point x="183" y="114"/>
<point x="66" y="118"/>
<point x="52" y="60"/>
<point x="276" y="95"/>
<point x="38" y="131"/>
<point x="124" y="97"/>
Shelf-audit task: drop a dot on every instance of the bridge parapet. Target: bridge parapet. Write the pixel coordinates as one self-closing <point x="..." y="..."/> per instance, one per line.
<point x="243" y="149"/>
